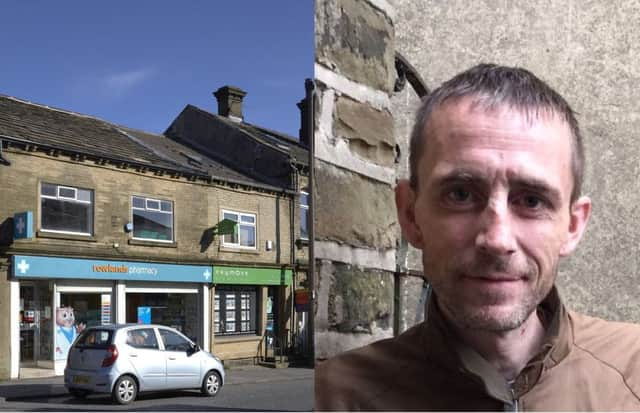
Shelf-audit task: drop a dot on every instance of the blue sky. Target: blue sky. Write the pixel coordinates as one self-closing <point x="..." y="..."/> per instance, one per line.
<point x="138" y="63"/>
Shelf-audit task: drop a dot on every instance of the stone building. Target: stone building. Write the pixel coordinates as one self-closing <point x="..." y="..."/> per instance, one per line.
<point x="586" y="50"/>
<point x="102" y="223"/>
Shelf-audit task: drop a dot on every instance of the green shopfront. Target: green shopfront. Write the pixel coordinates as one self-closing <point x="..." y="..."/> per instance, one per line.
<point x="54" y="298"/>
<point x="250" y="305"/>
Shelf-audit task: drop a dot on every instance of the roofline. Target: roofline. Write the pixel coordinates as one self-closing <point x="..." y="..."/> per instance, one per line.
<point x="193" y="173"/>
<point x="224" y="119"/>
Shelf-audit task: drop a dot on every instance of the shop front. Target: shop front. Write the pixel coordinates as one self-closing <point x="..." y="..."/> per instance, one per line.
<point x="251" y="310"/>
<point x="53" y="299"/>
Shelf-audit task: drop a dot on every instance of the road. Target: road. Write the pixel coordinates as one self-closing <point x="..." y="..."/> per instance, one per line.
<point x="252" y="389"/>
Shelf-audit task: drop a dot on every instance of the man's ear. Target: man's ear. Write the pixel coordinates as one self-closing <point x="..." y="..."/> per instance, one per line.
<point x="579" y="216"/>
<point x="405" y="204"/>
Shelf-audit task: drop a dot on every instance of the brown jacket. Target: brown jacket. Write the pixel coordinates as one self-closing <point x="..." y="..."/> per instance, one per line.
<point x="585" y="364"/>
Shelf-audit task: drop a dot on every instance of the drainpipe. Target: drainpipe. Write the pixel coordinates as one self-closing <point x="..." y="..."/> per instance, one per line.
<point x="278" y="229"/>
<point x="310" y="97"/>
<point x="292" y="260"/>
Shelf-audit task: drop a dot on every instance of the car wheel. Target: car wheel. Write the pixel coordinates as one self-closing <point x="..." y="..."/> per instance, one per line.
<point x="125" y="390"/>
<point x="211" y="384"/>
<point x="79" y="394"/>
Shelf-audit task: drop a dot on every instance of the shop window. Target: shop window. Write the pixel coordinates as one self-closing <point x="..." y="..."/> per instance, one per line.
<point x="244" y="235"/>
<point x="304" y="215"/>
<point x="66" y="209"/>
<point x="235" y="311"/>
<point x="175" y="310"/>
<point x="152" y="219"/>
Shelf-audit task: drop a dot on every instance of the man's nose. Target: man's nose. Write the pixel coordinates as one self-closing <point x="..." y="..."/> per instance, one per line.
<point x="496" y="234"/>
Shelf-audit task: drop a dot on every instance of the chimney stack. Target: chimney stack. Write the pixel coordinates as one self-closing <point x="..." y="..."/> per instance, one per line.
<point x="303" y="133"/>
<point x="230" y="102"/>
<point x="306" y="114"/>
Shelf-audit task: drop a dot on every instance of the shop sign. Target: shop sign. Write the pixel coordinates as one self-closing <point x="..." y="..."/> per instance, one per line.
<point x="251" y="276"/>
<point x="302" y="300"/>
<point x="31" y="266"/>
<point x="23" y="225"/>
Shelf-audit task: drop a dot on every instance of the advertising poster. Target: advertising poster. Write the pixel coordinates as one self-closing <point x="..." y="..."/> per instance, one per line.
<point x="144" y="315"/>
<point x="66" y="331"/>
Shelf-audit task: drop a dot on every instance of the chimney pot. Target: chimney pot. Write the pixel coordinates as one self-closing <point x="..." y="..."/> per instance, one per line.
<point x="230" y="102"/>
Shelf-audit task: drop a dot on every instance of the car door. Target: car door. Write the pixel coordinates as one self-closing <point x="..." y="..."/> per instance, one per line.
<point x="143" y="351"/>
<point x="183" y="366"/>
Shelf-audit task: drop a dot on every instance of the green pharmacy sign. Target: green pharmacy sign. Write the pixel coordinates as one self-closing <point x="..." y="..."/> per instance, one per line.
<point x="251" y="276"/>
<point x="226" y="226"/>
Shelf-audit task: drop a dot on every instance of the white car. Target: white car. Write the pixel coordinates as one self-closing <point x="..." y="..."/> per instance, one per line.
<point x="129" y="358"/>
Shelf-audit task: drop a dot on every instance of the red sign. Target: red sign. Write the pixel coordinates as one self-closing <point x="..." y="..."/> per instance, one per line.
<point x="302" y="299"/>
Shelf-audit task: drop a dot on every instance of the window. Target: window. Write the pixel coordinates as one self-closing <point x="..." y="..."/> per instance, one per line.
<point x="142" y="338"/>
<point x="244" y="235"/>
<point x="304" y="215"/>
<point x="99" y="339"/>
<point x="173" y="341"/>
<point x="66" y="209"/>
<point x="152" y="219"/>
<point x="235" y="311"/>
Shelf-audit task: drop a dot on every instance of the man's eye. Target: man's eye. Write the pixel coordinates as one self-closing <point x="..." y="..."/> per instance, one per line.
<point x="531" y="202"/>
<point x="459" y="195"/>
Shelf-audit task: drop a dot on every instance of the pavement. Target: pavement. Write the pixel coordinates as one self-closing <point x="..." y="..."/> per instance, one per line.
<point x="48" y="387"/>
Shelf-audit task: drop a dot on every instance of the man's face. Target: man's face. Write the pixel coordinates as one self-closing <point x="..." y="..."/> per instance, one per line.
<point x="492" y="212"/>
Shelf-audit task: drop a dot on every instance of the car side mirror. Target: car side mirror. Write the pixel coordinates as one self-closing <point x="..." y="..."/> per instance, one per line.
<point x="193" y="348"/>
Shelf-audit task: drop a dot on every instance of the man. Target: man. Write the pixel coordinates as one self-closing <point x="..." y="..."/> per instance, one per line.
<point x="493" y="202"/>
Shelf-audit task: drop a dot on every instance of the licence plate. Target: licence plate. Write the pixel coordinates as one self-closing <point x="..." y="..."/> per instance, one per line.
<point x="81" y="379"/>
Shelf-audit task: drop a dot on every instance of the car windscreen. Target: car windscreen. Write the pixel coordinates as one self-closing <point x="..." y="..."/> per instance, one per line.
<point x="95" y="338"/>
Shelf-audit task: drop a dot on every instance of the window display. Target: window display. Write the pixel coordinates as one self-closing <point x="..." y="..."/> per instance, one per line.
<point x="235" y="310"/>
<point x="179" y="311"/>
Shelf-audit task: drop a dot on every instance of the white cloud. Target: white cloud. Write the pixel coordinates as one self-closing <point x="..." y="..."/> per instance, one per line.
<point x="118" y="84"/>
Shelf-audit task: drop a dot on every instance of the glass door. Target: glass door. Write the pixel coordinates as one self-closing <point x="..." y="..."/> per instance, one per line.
<point x="36" y="324"/>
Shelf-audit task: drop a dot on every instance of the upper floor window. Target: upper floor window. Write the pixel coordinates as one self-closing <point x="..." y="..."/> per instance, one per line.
<point x="152" y="219"/>
<point x="66" y="209"/>
<point x="304" y="215"/>
<point x="244" y="235"/>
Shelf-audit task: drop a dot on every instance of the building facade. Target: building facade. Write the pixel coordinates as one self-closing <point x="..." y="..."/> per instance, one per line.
<point x="104" y="224"/>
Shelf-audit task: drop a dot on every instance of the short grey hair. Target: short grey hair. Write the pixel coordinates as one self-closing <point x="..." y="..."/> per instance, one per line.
<point x="493" y="86"/>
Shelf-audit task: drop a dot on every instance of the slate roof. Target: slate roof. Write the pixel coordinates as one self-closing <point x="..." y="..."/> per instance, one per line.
<point x="63" y="130"/>
<point x="298" y="152"/>
<point x="278" y="140"/>
<point x="184" y="155"/>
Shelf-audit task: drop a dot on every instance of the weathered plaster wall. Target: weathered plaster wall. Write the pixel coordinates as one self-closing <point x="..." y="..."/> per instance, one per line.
<point x="590" y="52"/>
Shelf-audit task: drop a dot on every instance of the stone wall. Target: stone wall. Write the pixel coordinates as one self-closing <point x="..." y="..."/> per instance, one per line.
<point x="196" y="207"/>
<point x="355" y="149"/>
<point x="589" y="51"/>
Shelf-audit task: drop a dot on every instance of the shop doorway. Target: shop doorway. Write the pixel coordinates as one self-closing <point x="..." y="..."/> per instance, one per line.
<point x="36" y="325"/>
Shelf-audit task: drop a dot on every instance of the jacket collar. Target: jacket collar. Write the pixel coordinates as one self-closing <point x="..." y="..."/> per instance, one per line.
<point x="440" y="340"/>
